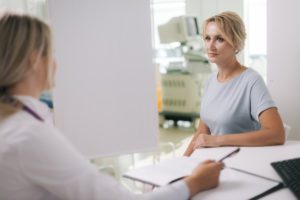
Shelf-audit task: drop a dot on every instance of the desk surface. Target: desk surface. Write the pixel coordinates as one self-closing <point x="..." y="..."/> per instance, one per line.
<point x="258" y="159"/>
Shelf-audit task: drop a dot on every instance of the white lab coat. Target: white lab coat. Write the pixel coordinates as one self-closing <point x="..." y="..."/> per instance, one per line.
<point x="38" y="163"/>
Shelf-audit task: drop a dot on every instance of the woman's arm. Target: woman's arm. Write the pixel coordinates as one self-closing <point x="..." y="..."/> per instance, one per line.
<point x="202" y="129"/>
<point x="271" y="133"/>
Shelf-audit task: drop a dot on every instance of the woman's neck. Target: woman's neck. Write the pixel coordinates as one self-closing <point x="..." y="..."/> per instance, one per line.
<point x="229" y="70"/>
<point x="25" y="89"/>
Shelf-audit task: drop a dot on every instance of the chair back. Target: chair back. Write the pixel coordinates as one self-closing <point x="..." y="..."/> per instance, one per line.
<point x="287" y="130"/>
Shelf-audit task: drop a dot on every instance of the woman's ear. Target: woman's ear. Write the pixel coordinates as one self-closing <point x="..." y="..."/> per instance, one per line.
<point x="33" y="60"/>
<point x="237" y="48"/>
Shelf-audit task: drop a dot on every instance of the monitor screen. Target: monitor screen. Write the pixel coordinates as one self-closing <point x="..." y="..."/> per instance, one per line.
<point x="192" y="26"/>
<point x="179" y="29"/>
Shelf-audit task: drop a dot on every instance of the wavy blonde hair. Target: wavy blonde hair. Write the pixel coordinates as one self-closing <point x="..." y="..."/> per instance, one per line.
<point x="232" y="28"/>
<point x="20" y="36"/>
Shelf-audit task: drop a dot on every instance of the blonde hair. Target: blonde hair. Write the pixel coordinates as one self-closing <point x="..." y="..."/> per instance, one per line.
<point x="20" y="36"/>
<point x="232" y="28"/>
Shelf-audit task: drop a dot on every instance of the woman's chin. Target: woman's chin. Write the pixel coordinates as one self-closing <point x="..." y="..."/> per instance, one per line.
<point x="212" y="60"/>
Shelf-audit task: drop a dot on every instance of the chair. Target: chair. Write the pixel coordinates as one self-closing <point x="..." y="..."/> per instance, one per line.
<point x="287" y="130"/>
<point x="109" y="170"/>
<point x="164" y="148"/>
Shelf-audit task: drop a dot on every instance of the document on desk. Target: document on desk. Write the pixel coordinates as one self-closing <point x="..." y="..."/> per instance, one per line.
<point x="164" y="172"/>
<point x="177" y="167"/>
<point x="235" y="185"/>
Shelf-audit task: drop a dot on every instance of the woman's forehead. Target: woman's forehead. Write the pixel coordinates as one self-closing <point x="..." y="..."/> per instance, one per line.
<point x="212" y="29"/>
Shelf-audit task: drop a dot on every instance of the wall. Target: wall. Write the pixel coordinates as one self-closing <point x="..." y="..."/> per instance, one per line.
<point x="283" y="47"/>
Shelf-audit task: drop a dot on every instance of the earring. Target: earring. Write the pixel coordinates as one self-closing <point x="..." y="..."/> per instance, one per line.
<point x="236" y="51"/>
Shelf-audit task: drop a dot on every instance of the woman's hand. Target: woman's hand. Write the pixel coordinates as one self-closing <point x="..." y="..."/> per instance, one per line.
<point x="202" y="129"/>
<point x="205" y="140"/>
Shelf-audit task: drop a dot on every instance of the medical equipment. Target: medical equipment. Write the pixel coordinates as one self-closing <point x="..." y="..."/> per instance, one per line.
<point x="183" y="82"/>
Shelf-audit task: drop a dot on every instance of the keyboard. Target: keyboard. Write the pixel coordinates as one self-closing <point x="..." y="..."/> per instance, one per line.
<point x="289" y="171"/>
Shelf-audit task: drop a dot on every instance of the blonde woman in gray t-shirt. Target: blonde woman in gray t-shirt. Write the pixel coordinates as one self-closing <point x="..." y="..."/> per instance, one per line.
<point x="236" y="108"/>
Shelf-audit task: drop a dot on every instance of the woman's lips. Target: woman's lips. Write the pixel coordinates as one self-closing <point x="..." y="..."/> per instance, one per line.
<point x="212" y="54"/>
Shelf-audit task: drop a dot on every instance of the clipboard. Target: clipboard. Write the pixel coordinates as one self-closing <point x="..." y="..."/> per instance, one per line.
<point x="269" y="191"/>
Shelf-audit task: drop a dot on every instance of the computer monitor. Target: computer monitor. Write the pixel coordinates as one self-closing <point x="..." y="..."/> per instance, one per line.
<point x="179" y="29"/>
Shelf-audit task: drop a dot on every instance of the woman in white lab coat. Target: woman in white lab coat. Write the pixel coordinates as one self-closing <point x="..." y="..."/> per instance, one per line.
<point x="236" y="108"/>
<point x="36" y="161"/>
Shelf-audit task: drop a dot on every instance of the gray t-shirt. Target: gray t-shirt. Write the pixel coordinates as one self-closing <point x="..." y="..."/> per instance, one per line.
<point x="234" y="106"/>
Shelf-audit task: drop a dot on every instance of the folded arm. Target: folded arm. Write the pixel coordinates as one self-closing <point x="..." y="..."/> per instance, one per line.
<point x="271" y="133"/>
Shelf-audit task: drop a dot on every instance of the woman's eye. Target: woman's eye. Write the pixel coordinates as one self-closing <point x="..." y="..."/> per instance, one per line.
<point x="207" y="38"/>
<point x="220" y="39"/>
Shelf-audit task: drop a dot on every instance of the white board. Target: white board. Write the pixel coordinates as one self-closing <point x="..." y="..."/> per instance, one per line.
<point x="104" y="99"/>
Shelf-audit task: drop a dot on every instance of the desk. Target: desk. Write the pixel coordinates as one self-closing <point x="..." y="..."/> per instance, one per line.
<point x="258" y="159"/>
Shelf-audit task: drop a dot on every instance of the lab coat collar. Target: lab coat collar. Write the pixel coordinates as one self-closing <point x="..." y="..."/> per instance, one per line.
<point x="36" y="105"/>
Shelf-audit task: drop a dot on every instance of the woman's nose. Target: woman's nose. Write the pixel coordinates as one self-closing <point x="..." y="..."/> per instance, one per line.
<point x="210" y="45"/>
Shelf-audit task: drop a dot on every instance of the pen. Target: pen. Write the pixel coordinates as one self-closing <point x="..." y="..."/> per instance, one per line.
<point x="177" y="179"/>
<point x="230" y="154"/>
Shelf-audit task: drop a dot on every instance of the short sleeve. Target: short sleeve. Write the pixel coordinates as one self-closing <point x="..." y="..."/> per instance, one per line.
<point x="260" y="98"/>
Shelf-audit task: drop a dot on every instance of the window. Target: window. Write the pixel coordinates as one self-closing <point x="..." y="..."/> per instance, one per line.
<point x="256" y="25"/>
<point x="34" y="7"/>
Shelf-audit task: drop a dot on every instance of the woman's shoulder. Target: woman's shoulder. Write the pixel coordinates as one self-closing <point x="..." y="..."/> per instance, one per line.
<point x="21" y="127"/>
<point x="212" y="76"/>
<point x="252" y="76"/>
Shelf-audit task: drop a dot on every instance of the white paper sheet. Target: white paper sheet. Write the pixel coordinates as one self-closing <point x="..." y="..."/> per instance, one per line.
<point x="236" y="186"/>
